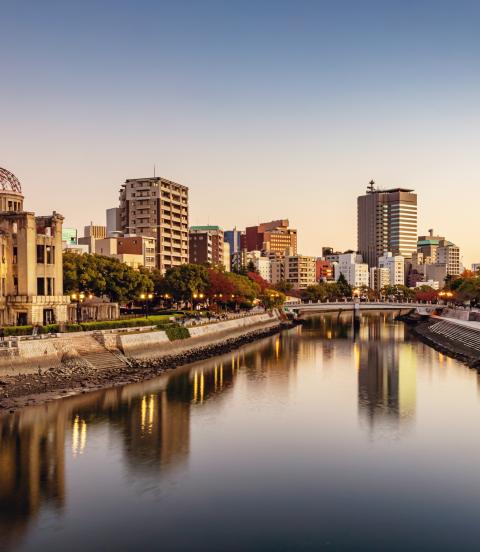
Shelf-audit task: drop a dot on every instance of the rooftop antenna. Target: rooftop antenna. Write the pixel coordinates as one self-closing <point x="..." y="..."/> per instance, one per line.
<point x="154" y="170"/>
<point x="371" y="186"/>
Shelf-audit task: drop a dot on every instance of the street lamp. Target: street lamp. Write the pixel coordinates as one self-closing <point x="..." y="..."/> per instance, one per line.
<point x="146" y="298"/>
<point x="78" y="297"/>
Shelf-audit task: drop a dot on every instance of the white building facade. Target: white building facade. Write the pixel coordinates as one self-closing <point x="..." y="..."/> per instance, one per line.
<point x="396" y="268"/>
<point x="353" y="268"/>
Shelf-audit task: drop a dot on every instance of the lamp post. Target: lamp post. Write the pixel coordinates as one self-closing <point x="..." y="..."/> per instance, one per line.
<point x="79" y="297"/>
<point x="445" y="295"/>
<point x="196" y="296"/>
<point x="146" y="298"/>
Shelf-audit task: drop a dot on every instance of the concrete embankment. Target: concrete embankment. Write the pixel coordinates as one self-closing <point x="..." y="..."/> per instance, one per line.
<point x="449" y="336"/>
<point x="82" y="362"/>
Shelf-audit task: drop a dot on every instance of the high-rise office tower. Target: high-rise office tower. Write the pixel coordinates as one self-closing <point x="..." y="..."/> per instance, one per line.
<point x="157" y="207"/>
<point x="233" y="237"/>
<point x="387" y="221"/>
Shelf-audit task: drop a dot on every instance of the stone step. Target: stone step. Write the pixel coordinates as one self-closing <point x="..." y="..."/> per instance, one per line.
<point x="104" y="360"/>
<point x="466" y="336"/>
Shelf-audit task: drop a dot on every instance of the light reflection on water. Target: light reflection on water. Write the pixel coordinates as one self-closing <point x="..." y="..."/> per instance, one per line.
<point x="331" y="434"/>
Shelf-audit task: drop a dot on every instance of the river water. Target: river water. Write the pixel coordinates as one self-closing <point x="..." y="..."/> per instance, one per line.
<point x="327" y="436"/>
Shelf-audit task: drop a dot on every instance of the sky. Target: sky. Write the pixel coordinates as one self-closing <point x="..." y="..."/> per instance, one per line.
<point x="264" y="109"/>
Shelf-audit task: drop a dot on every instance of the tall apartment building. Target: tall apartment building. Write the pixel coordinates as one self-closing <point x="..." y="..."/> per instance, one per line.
<point x="158" y="208"/>
<point x="300" y="271"/>
<point x="274" y="236"/>
<point x="206" y="245"/>
<point x="387" y="221"/>
<point x="449" y="254"/>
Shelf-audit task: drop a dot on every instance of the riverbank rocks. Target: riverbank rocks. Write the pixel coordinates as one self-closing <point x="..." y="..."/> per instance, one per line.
<point x="75" y="374"/>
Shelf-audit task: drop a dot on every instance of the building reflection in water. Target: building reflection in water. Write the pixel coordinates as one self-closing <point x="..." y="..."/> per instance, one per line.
<point x="386" y="368"/>
<point x="32" y="470"/>
<point x="153" y="419"/>
<point x="385" y="363"/>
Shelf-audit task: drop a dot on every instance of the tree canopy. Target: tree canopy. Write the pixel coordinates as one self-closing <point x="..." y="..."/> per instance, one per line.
<point x="103" y="276"/>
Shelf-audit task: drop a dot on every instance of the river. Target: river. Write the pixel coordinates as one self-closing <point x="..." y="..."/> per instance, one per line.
<point x="329" y="435"/>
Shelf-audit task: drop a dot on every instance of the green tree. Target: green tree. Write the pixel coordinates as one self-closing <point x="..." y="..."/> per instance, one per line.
<point x="283" y="286"/>
<point x="185" y="280"/>
<point x="469" y="290"/>
<point x="344" y="288"/>
<point x="103" y="276"/>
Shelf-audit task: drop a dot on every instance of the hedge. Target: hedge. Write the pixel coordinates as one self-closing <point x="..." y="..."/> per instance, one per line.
<point x="161" y="321"/>
<point x="18" y="330"/>
<point x="177" y="332"/>
<point x="127" y="323"/>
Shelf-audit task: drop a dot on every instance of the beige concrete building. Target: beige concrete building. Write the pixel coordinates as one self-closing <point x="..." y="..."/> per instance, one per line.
<point x="387" y="221"/>
<point x="300" y="271"/>
<point x="449" y="254"/>
<point x="158" y="208"/>
<point x="134" y="251"/>
<point x="379" y="278"/>
<point x="31" y="271"/>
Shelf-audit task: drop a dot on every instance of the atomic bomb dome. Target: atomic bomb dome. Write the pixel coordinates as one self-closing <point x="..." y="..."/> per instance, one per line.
<point x="11" y="197"/>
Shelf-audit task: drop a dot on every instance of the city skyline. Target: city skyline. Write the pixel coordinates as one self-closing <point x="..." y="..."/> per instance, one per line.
<point x="234" y="109"/>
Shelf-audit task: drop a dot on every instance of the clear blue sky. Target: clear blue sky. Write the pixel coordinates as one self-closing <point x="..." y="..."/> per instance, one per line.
<point x="264" y="109"/>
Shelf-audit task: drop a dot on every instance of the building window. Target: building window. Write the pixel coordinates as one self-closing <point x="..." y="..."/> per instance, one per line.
<point x="15" y="252"/>
<point x="50" y="254"/>
<point x="40" y="254"/>
<point x="40" y="286"/>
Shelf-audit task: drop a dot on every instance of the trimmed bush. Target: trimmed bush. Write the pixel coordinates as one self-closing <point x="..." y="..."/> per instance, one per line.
<point x="48" y="328"/>
<point x="159" y="321"/>
<point x="177" y="332"/>
<point x="18" y="330"/>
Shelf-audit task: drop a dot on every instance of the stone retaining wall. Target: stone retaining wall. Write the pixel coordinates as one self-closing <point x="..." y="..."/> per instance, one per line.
<point x="26" y="355"/>
<point x="130" y="344"/>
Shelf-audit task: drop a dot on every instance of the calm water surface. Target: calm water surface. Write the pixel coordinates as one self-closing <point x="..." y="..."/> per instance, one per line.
<point x="321" y="437"/>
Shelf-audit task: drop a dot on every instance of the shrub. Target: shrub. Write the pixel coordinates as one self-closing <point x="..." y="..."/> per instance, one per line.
<point x="177" y="332"/>
<point x="159" y="321"/>
<point x="18" y="330"/>
<point x="49" y="328"/>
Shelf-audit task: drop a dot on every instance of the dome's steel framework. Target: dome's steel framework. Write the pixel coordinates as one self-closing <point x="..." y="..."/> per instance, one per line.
<point x="9" y="182"/>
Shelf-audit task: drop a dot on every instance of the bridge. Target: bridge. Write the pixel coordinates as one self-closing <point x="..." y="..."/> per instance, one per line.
<point x="352" y="306"/>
